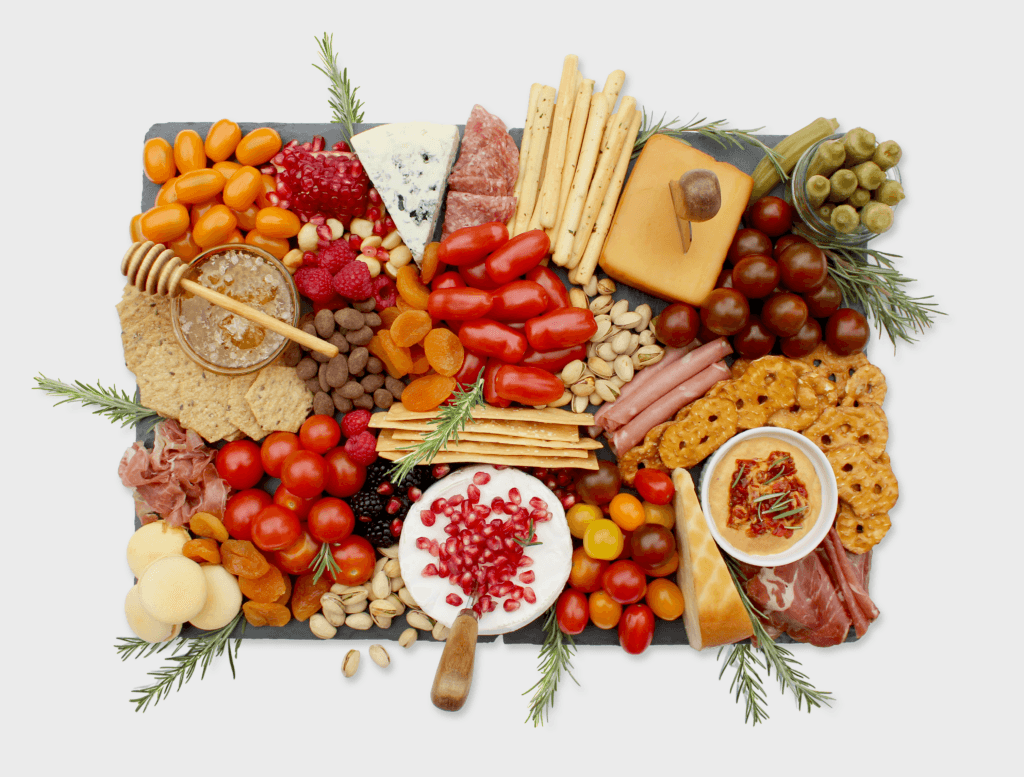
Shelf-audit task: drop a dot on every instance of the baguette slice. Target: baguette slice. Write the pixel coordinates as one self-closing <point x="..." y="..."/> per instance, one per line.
<point x="714" y="614"/>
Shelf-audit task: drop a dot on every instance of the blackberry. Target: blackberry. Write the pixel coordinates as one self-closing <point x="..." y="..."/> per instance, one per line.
<point x="368" y="503"/>
<point x="376" y="474"/>
<point x="420" y="477"/>
<point x="378" y="532"/>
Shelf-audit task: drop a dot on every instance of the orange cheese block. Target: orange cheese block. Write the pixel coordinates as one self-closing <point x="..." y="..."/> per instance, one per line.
<point x="644" y="249"/>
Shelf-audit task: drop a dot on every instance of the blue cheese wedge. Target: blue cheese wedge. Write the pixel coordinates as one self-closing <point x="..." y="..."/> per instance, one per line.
<point x="409" y="165"/>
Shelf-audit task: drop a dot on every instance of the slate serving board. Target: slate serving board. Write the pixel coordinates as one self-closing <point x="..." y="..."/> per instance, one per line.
<point x="665" y="633"/>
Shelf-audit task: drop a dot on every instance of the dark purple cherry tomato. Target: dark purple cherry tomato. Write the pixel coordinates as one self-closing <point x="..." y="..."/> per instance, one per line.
<point x="846" y="331"/>
<point x="554" y="361"/>
<point x="772" y="215"/>
<point x="599" y="486"/>
<point x="725" y="311"/>
<point x="527" y="385"/>
<point x="652" y="545"/>
<point x="472" y="244"/>
<point x="804" y="341"/>
<point x="785" y="242"/>
<point x="825" y="300"/>
<point x="749" y="241"/>
<point x="784" y="313"/>
<point x="803" y="267"/>
<point x="518" y="255"/>
<point x="459" y="304"/>
<point x="677" y="325"/>
<point x="754" y="340"/>
<point x="755" y="276"/>
<point x="558" y="295"/>
<point x="724" y="279"/>
<point x="519" y="301"/>
<point x="488" y="338"/>
<point x="562" y="328"/>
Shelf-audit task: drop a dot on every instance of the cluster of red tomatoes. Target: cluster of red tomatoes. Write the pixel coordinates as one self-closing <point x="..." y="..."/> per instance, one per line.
<point x="307" y="509"/>
<point x="619" y="575"/>
<point x="513" y="316"/>
<point x="775" y="288"/>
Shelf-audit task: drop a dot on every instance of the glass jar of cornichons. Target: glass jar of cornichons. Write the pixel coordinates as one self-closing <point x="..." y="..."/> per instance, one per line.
<point x="221" y="341"/>
<point x="845" y="188"/>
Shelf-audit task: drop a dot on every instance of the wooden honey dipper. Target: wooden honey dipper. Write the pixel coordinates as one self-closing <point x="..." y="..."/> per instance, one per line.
<point x="156" y="269"/>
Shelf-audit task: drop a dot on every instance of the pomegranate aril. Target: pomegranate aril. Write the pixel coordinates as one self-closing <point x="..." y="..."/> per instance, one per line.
<point x="514" y="496"/>
<point x="497" y="504"/>
<point x="526" y="561"/>
<point x="568" y="501"/>
<point x="427" y="518"/>
<point x="474" y="493"/>
<point x="529" y="596"/>
<point x="438" y="505"/>
<point x="430" y="570"/>
<point x="456" y="500"/>
<point x="538" y="503"/>
<point x="434" y="549"/>
<point x="414" y="494"/>
<point x="481" y="478"/>
<point x="527" y="577"/>
<point x="423" y="543"/>
<point x="372" y="214"/>
<point x="511" y="605"/>
<point x="439" y="471"/>
<point x="385" y="489"/>
<point x="393" y="506"/>
<point x="443" y="570"/>
<point x="453" y="599"/>
<point x="516" y="593"/>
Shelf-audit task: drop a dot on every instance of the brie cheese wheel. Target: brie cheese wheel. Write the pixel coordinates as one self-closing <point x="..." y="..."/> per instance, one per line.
<point x="552" y="559"/>
<point x="409" y="165"/>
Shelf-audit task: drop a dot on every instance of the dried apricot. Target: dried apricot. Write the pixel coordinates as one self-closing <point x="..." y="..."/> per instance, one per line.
<point x="388" y="316"/>
<point x="201" y="550"/>
<point x="266" y="588"/>
<point x="208" y="525"/>
<point x="410" y="288"/>
<point x="266" y="614"/>
<point x="403" y="306"/>
<point x="426" y="393"/>
<point x="287" y="595"/>
<point x="306" y="595"/>
<point x="430" y="266"/>
<point x="420" y="365"/>
<point x="242" y="559"/>
<point x="410" y="327"/>
<point x="397" y="360"/>
<point x="444" y="351"/>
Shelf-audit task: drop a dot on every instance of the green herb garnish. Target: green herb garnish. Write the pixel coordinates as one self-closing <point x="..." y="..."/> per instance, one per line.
<point x="739" y="474"/>
<point x="716" y="130"/>
<point x="201" y="652"/>
<point x="348" y="111"/>
<point x="745" y="658"/>
<point x="451" y="419"/>
<point x="109" y="402"/>
<point x="324" y="563"/>
<point x="528" y="541"/>
<point x="555" y="657"/>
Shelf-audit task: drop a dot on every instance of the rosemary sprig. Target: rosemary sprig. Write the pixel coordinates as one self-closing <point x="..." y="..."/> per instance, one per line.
<point x="200" y="653"/>
<point x="348" y="111"/>
<point x="716" y="130"/>
<point x="868" y="277"/>
<point x="324" y="563"/>
<point x="451" y="420"/>
<point x="529" y="540"/>
<point x="115" y="405"/>
<point x="555" y="657"/>
<point x="747" y="682"/>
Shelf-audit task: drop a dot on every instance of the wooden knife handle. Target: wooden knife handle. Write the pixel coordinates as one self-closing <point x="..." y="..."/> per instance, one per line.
<point x="455" y="672"/>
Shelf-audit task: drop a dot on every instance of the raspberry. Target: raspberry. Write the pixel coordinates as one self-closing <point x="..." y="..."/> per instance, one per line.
<point x="355" y="422"/>
<point x="353" y="281"/>
<point x="314" y="283"/>
<point x="335" y="256"/>
<point x="362" y="448"/>
<point x="309" y="259"/>
<point x="384" y="293"/>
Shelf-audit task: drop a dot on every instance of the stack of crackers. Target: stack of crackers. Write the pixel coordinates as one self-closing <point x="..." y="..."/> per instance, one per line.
<point x="516" y="437"/>
<point x="218" y="407"/>
<point x="835" y="401"/>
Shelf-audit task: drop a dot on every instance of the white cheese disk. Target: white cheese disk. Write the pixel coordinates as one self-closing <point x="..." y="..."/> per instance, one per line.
<point x="552" y="559"/>
<point x="409" y="165"/>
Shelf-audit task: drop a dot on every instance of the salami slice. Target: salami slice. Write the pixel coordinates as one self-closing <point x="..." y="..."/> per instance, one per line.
<point x="469" y="210"/>
<point x="472" y="183"/>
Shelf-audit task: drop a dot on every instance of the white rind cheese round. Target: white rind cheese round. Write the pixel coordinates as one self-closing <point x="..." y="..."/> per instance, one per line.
<point x="552" y="559"/>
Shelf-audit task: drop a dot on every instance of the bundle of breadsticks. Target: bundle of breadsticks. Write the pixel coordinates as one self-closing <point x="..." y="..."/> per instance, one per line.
<point x="572" y="165"/>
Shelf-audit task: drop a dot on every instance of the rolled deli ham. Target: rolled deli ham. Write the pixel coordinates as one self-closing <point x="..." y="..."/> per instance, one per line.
<point x="671" y="403"/>
<point x="648" y="387"/>
<point x="672" y="355"/>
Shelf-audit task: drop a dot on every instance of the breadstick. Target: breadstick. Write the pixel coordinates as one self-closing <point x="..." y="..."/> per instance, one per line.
<point x="548" y="197"/>
<point x="613" y="85"/>
<point x="581" y="179"/>
<point x="577" y="127"/>
<point x="524" y="149"/>
<point x="588" y="264"/>
<point x="538" y="149"/>
<point x="602" y="177"/>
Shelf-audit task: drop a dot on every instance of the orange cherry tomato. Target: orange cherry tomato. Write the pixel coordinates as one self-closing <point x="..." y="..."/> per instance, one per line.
<point x="135" y="228"/>
<point x="201" y="209"/>
<point x="277" y="222"/>
<point x="167" y="193"/>
<point x="214" y="226"/>
<point x="665" y="599"/>
<point x="235" y="237"/>
<point x="276" y="247"/>
<point x="189" y="154"/>
<point x="227" y="169"/>
<point x="242" y="188"/>
<point x="258" y="147"/>
<point x="246" y="217"/>
<point x="579" y="516"/>
<point x="164" y="222"/>
<point x="221" y="140"/>
<point x="585" y="574"/>
<point x="158" y="160"/>
<point x="198" y="186"/>
<point x="604" y="611"/>
<point x="663" y="515"/>
<point x="627" y="511"/>
<point x="185" y="247"/>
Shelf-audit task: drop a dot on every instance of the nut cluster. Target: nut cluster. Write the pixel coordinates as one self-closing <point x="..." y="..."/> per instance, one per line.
<point x="380" y="254"/>
<point x="624" y="343"/>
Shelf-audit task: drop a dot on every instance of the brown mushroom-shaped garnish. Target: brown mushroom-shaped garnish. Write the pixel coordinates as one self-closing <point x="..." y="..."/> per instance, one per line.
<point x="696" y="196"/>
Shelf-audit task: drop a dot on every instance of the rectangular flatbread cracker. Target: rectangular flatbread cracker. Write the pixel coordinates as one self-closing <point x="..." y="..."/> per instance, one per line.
<point x="549" y="415"/>
<point x="387" y="442"/>
<point x="585" y="443"/>
<point x="556" y="462"/>
<point x="525" y="429"/>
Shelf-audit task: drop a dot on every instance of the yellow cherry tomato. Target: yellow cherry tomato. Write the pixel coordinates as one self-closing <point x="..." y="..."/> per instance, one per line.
<point x="603" y="539"/>
<point x="663" y="515"/>
<point x="627" y="511"/>
<point x="579" y="516"/>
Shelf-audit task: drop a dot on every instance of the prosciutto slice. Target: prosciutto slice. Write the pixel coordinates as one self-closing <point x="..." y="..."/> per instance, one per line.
<point x="175" y="480"/>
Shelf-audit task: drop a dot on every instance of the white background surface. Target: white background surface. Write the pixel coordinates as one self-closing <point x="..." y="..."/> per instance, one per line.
<point x="933" y="684"/>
